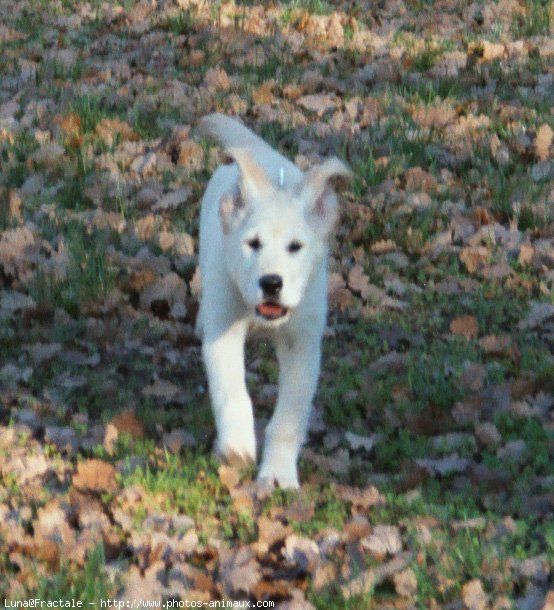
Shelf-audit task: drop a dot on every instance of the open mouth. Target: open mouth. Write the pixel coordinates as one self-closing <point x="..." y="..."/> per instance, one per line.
<point x="271" y="311"/>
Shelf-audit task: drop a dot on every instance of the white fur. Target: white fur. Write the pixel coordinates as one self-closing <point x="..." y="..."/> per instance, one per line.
<point x="263" y="196"/>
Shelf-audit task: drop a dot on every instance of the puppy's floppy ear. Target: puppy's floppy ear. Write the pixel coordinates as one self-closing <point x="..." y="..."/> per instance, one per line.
<point x="253" y="182"/>
<point x="253" y="185"/>
<point x="319" y="197"/>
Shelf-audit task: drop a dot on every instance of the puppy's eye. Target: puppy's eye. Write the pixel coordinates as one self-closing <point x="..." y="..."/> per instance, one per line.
<point x="294" y="246"/>
<point x="255" y="243"/>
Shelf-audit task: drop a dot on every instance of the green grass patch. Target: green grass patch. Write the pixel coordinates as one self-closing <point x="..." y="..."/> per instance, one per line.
<point x="535" y="19"/>
<point x="89" y="584"/>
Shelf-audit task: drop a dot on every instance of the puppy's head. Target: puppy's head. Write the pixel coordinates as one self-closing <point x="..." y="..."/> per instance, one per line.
<point x="276" y="238"/>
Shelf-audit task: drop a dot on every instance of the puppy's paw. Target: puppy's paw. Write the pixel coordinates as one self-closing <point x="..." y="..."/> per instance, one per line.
<point x="285" y="477"/>
<point x="238" y="449"/>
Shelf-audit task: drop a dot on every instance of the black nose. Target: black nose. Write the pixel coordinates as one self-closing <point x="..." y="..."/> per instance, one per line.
<point x="271" y="284"/>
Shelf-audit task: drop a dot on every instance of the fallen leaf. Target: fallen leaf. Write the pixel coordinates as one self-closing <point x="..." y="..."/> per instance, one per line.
<point x="95" y="475"/>
<point x="474" y="257"/>
<point x="147" y="586"/>
<point x="358" y="281"/>
<point x="444" y="466"/>
<point x="405" y="583"/>
<point x="239" y="572"/>
<point x="301" y="551"/>
<point x="229" y="476"/>
<point x="48" y="155"/>
<point x="216" y="79"/>
<point x="385" y="540"/>
<point x="127" y="422"/>
<point x="474" y="596"/>
<point x="465" y="326"/>
<point x="318" y="103"/>
<point x="272" y="531"/>
<point x="488" y="434"/>
<point x="366" y="582"/>
<point x="160" y="388"/>
<point x="526" y="254"/>
<point x="543" y="140"/>
<point x="107" y="129"/>
<point x="172" y="200"/>
<point x="494" y="345"/>
<point x="361" y="499"/>
<point x="538" y="314"/>
<point x="358" y="442"/>
<point x="70" y="124"/>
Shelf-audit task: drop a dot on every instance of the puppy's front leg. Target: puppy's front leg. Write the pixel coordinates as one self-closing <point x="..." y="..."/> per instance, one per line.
<point x="224" y="360"/>
<point x="298" y="374"/>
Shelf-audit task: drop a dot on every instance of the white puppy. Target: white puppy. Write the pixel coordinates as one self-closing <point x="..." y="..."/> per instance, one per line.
<point x="263" y="253"/>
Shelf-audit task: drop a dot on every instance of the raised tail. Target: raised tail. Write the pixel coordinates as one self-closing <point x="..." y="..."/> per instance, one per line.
<point x="229" y="132"/>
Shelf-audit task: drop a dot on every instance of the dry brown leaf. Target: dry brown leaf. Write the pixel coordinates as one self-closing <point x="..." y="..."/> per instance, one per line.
<point x="216" y="79"/>
<point x="27" y="468"/>
<point x="301" y="551"/>
<point x="49" y="154"/>
<point x="229" y="476"/>
<point x="272" y="531"/>
<point x="481" y="216"/>
<point x="107" y="129"/>
<point x="384" y="540"/>
<point x="368" y="580"/>
<point x="473" y="377"/>
<point x="465" y="326"/>
<point x="11" y="202"/>
<point x="358" y="281"/>
<point x="474" y="257"/>
<point x="444" y="466"/>
<point x="339" y="463"/>
<point x="358" y="442"/>
<point x="474" y="596"/>
<point x="318" y="103"/>
<point x="176" y="198"/>
<point x="148" y="586"/>
<point x="17" y="250"/>
<point x="264" y="93"/>
<point x="160" y="388"/>
<point x="128" y="423"/>
<point x="548" y="601"/>
<point x="361" y="499"/>
<point x="526" y="254"/>
<point x="191" y="155"/>
<point x="405" y="583"/>
<point x="162" y="294"/>
<point x="494" y="345"/>
<point x="488" y="434"/>
<point x="95" y="475"/>
<point x="543" y="141"/>
<point x="239" y="572"/>
<point x="70" y="124"/>
<point x="417" y="179"/>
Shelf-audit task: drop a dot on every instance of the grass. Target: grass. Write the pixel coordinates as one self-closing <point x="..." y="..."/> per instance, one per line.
<point x="88" y="585"/>
<point x="188" y="484"/>
<point x="88" y="276"/>
<point x="535" y="19"/>
<point x="406" y="407"/>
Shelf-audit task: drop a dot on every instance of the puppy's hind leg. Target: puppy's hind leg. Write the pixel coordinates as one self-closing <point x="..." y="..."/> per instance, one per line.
<point x="224" y="360"/>
<point x="298" y="374"/>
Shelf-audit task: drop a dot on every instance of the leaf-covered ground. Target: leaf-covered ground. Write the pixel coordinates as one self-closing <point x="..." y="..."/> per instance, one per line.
<point x="428" y="474"/>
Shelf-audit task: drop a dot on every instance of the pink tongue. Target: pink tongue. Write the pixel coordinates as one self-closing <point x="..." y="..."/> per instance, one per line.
<point x="270" y="309"/>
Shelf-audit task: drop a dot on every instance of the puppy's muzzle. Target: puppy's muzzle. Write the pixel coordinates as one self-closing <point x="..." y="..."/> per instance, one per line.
<point x="271" y="309"/>
<point x="271" y="285"/>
